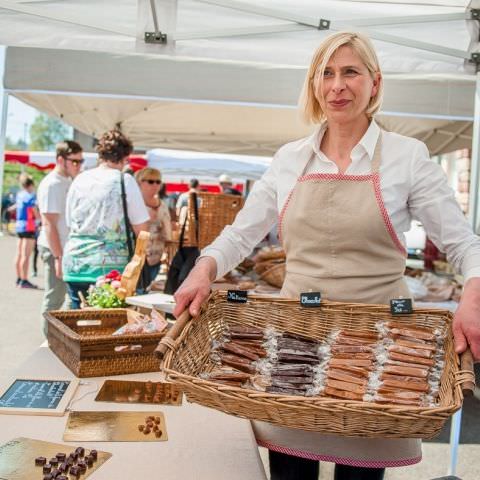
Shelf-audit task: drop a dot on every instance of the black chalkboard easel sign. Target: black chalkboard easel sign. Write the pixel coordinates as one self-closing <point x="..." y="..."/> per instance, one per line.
<point x="36" y="396"/>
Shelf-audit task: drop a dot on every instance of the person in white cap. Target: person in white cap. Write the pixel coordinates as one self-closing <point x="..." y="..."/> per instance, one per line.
<point x="226" y="185"/>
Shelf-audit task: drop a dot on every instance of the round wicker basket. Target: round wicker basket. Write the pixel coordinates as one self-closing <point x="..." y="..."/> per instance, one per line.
<point x="275" y="275"/>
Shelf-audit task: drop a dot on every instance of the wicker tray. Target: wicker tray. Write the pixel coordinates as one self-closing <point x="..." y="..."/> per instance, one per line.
<point x="188" y="357"/>
<point x="89" y="350"/>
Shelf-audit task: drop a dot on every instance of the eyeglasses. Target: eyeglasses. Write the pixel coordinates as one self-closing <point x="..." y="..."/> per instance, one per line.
<point x="76" y="161"/>
<point x="151" y="182"/>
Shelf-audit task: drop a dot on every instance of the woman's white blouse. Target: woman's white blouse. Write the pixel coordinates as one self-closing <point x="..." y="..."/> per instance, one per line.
<point x="412" y="186"/>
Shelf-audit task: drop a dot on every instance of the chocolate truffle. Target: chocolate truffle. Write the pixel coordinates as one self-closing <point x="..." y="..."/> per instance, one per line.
<point x="64" y="467"/>
<point x="61" y="456"/>
<point x="157" y="420"/>
<point x="158" y="433"/>
<point x="54" y="461"/>
<point x="80" y="451"/>
<point x="48" y="476"/>
<point x="82" y="466"/>
<point x="47" y="468"/>
<point x="75" y="472"/>
<point x="89" y="460"/>
<point x="94" y="455"/>
<point x="74" y="455"/>
<point x="70" y="461"/>
<point x="55" y="473"/>
<point x="40" y="461"/>
<point x="141" y="428"/>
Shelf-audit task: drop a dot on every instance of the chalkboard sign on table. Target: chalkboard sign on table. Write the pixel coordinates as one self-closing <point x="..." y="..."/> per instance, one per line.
<point x="36" y="396"/>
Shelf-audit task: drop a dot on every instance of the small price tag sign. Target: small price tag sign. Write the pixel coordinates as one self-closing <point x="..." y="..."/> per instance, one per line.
<point x="237" y="296"/>
<point x="310" y="299"/>
<point x="401" y="306"/>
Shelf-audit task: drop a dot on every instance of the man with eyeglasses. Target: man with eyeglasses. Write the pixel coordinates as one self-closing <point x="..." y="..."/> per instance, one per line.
<point x="52" y="199"/>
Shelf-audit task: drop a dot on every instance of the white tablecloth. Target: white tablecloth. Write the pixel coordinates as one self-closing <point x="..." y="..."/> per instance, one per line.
<point x="203" y="444"/>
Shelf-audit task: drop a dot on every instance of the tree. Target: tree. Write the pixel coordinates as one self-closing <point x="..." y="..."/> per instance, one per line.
<point x="18" y="145"/>
<point x="46" y="132"/>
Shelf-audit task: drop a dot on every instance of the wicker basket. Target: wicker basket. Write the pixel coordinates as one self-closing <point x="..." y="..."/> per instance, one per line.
<point x="215" y="211"/>
<point x="188" y="357"/>
<point x="275" y="275"/>
<point x="89" y="350"/>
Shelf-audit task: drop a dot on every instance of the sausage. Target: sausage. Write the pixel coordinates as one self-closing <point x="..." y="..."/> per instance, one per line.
<point x="405" y="394"/>
<point x="404" y="378"/>
<point x="419" y="387"/>
<point x="334" y="362"/>
<point x="351" y="356"/>
<point x="410" y="371"/>
<point x="408" y="332"/>
<point x="357" y="371"/>
<point x="349" y="387"/>
<point x="293" y="379"/>
<point x="351" y="349"/>
<point x="345" y="377"/>
<point x="410" y="344"/>
<point x="409" y="359"/>
<point x="239" y="350"/>
<point x="286" y="391"/>
<point x="333" y="392"/>
<point x="414" y="352"/>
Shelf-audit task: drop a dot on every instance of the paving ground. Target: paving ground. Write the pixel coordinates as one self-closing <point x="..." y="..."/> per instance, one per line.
<point x="20" y="334"/>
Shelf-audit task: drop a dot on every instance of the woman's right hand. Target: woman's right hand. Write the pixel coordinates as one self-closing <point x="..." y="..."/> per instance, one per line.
<point x="196" y="287"/>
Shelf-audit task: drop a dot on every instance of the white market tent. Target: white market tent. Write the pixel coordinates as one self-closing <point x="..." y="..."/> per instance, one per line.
<point x="228" y="77"/>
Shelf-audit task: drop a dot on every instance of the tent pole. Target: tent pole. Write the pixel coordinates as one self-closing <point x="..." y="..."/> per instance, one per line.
<point x="474" y="161"/>
<point x="3" y="120"/>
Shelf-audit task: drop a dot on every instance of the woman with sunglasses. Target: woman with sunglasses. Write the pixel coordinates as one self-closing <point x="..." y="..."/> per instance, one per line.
<point x="97" y="241"/>
<point x="150" y="181"/>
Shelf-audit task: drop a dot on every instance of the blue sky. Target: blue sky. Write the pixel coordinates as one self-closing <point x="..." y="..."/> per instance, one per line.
<point x="20" y="117"/>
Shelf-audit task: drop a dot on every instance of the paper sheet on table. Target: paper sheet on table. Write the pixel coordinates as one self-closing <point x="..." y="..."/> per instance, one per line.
<point x="160" y="301"/>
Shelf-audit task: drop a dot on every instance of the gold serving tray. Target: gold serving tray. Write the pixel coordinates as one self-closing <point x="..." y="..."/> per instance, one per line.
<point x="112" y="427"/>
<point x="17" y="458"/>
<point x="123" y="391"/>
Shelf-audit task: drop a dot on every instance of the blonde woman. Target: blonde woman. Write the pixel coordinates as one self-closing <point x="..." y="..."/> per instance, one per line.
<point x="150" y="182"/>
<point x="344" y="197"/>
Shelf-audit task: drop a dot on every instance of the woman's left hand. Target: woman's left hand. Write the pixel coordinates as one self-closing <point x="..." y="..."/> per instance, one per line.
<point x="466" y="322"/>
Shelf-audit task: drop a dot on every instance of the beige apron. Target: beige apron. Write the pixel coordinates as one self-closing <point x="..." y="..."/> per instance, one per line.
<point x="339" y="240"/>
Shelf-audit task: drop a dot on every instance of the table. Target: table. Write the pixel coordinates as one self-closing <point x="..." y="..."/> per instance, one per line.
<point x="203" y="444"/>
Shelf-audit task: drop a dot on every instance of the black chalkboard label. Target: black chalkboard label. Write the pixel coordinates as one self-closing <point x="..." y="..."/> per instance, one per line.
<point x="237" y="296"/>
<point x="310" y="299"/>
<point x="401" y="306"/>
<point x="34" y="394"/>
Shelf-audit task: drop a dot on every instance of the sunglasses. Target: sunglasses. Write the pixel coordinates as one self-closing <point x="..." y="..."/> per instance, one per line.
<point x="151" y="182"/>
<point x="76" y="161"/>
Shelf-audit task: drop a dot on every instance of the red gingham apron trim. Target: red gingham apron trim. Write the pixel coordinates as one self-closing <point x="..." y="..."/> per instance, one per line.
<point x="282" y="213"/>
<point x="353" y="462"/>
<point x="335" y="176"/>
<point x="386" y="218"/>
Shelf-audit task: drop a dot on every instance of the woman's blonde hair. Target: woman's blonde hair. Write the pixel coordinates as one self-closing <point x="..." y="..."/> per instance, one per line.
<point x="311" y="109"/>
<point x="147" y="172"/>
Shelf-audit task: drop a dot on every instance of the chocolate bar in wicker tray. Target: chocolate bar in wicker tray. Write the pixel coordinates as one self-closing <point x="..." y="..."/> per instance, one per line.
<point x="399" y="364"/>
